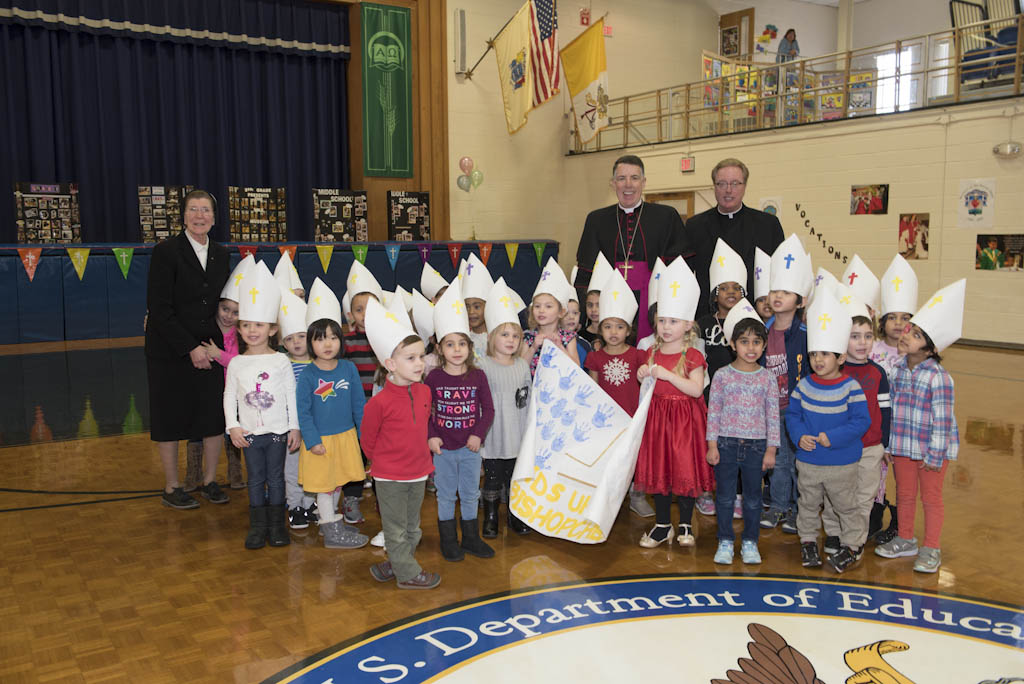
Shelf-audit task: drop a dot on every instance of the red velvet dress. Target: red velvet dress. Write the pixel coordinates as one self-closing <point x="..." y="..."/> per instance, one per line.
<point x="673" y="453"/>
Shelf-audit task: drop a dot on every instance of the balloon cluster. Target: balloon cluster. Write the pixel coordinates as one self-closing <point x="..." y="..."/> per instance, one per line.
<point x="470" y="178"/>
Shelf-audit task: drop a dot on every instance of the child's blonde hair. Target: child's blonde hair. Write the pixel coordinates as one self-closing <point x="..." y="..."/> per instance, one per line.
<point x="532" y="322"/>
<point x="689" y="339"/>
<point x="492" y="336"/>
<point x="443" y="362"/>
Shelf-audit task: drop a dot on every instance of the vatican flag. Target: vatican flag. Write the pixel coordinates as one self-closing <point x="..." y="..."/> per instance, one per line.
<point x="586" y="74"/>
<point x="512" y="47"/>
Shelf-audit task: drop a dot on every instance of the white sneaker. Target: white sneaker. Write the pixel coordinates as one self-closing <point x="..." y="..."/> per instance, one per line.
<point x="638" y="504"/>
<point x="378" y="540"/>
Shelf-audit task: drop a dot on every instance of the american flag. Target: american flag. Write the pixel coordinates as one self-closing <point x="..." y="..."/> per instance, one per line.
<point x="547" y="72"/>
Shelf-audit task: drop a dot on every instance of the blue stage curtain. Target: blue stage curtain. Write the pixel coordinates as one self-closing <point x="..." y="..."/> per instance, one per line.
<point x="211" y="93"/>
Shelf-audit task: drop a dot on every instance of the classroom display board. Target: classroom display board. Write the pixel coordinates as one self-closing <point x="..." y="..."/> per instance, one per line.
<point x="408" y="216"/>
<point x="47" y="213"/>
<point x="339" y="215"/>
<point x="160" y="209"/>
<point x="257" y="214"/>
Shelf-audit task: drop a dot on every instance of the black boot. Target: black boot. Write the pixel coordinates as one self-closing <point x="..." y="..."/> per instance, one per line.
<point x="490" y="524"/>
<point x="257" y="536"/>
<point x="277" y="532"/>
<point x="471" y="541"/>
<point x="875" y="519"/>
<point x="450" y="540"/>
<point x="517" y="525"/>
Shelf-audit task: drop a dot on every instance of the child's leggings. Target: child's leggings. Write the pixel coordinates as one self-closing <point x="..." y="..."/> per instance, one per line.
<point x="909" y="476"/>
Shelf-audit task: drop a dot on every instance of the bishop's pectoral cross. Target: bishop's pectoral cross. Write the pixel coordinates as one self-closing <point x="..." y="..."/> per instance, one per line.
<point x="625" y="269"/>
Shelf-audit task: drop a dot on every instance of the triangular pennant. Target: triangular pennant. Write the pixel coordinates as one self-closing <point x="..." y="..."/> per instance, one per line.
<point x="425" y="252"/>
<point x="290" y="249"/>
<point x="392" y="251"/>
<point x="512" y="248"/>
<point x="325" y="252"/>
<point x="246" y="250"/>
<point x="360" y="252"/>
<point x="79" y="258"/>
<point x="123" y="257"/>
<point x="485" y="251"/>
<point x="454" y="250"/>
<point x="538" y="247"/>
<point x="30" y="260"/>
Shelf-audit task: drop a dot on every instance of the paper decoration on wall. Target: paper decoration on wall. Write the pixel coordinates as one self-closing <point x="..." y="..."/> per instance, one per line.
<point x="771" y="205"/>
<point x="1000" y="253"/>
<point x="538" y="248"/>
<point x="257" y="214"/>
<point x="30" y="260"/>
<point x="912" y="240"/>
<point x="869" y="199"/>
<point x="339" y="215"/>
<point x="160" y="208"/>
<point x="485" y="251"/>
<point x="325" y="252"/>
<point x="424" y="251"/>
<point x="79" y="258"/>
<point x="360" y="252"/>
<point x="976" y="207"/>
<point x="123" y="257"/>
<point x="291" y="249"/>
<point x="454" y="250"/>
<point x="511" y="249"/>
<point x="408" y="215"/>
<point x="393" y="251"/>
<point x="46" y="213"/>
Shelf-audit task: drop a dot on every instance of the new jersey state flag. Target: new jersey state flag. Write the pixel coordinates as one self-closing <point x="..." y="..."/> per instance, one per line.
<point x="512" y="46"/>
<point x="586" y="74"/>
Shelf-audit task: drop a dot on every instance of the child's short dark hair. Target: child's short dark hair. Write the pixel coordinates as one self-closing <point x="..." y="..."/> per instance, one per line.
<point x="835" y="354"/>
<point x="652" y="315"/>
<point x="750" y="325"/>
<point x="929" y="346"/>
<point x="863" y="320"/>
<point x="318" y="331"/>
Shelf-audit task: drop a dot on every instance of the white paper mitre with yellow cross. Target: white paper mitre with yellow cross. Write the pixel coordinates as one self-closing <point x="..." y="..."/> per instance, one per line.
<point x="727" y="267"/>
<point x="286" y="275"/>
<point x="791" y="268"/>
<point x="475" y="280"/>
<point x="385" y="329"/>
<point x="678" y="292"/>
<point x="360" y="280"/>
<point x="260" y="296"/>
<point x="652" y="284"/>
<point x="828" y="324"/>
<point x="234" y="284"/>
<point x="617" y="300"/>
<point x="291" y="315"/>
<point x="899" y="287"/>
<point x="552" y="282"/>
<point x="431" y="282"/>
<point x="742" y="309"/>
<point x="853" y="304"/>
<point x="942" y="316"/>
<point x="322" y="303"/>
<point x="450" y="313"/>
<point x="859" y="278"/>
<point x="502" y="306"/>
<point x="423" y="315"/>
<point x="602" y="270"/>
<point x="762" y="273"/>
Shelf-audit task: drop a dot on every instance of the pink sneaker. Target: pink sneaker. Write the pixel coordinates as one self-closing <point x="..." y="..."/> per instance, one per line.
<point x="706" y="504"/>
<point x="737" y="508"/>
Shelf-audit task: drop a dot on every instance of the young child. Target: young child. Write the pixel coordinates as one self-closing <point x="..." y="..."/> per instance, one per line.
<point x="508" y="376"/>
<point x="571" y="322"/>
<point x="786" y="357"/>
<point x="646" y="343"/>
<point x="287" y="276"/>
<point x="672" y="458"/>
<point x="602" y="269"/>
<point x="291" y="321"/>
<point x="394" y="438"/>
<point x="361" y="287"/>
<point x="462" y="413"/>
<point x="924" y="434"/>
<point x="726" y="275"/>
<point x="762" y="279"/>
<point x="827" y="415"/>
<point x="743" y="431"/>
<point x="548" y="306"/>
<point x="259" y="408"/>
<point x="476" y="283"/>
<point x="862" y="283"/>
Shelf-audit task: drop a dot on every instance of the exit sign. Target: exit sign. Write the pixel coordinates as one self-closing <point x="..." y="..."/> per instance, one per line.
<point x="687" y="165"/>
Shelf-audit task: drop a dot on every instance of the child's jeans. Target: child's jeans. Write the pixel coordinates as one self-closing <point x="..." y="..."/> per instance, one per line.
<point x="264" y="463"/>
<point x="866" y="490"/>
<point x="739" y="459"/>
<point x="783" y="479"/>
<point x="457" y="473"/>
<point x="292" y="489"/>
<point x="400" y="504"/>
<point x="909" y="476"/>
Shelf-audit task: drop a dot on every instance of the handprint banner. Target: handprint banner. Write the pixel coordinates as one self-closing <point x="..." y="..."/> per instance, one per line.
<point x="578" y="453"/>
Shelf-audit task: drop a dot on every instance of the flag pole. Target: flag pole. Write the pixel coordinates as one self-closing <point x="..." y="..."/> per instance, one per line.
<point x="490" y="46"/>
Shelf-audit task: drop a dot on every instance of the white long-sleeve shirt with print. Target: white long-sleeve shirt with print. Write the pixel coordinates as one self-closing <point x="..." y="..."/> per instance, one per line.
<point x="259" y="394"/>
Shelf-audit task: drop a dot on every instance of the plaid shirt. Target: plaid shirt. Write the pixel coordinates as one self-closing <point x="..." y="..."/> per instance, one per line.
<point x="923" y="424"/>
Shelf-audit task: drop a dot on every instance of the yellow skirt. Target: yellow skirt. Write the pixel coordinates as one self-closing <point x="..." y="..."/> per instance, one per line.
<point x="343" y="463"/>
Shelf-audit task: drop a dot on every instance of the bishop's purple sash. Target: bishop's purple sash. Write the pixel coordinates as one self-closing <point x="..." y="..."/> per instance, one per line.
<point x="637" y="277"/>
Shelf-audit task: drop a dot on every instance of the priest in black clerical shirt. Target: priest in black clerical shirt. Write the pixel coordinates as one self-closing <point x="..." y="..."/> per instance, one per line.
<point x="631" y="234"/>
<point x="741" y="227"/>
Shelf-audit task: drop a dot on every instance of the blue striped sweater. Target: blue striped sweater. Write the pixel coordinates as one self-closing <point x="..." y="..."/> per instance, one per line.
<point x="836" y="407"/>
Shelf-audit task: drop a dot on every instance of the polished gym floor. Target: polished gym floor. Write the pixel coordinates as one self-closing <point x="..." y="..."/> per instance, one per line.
<point x="99" y="582"/>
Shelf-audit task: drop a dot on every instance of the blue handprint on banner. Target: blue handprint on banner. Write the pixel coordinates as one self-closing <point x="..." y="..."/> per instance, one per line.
<point x="558" y="443"/>
<point x="583" y="395"/>
<point x="565" y="381"/>
<point x="545" y="395"/>
<point x="568" y="417"/>
<point x="547" y="431"/>
<point x="601" y="416"/>
<point x="547" y="357"/>
<point x="542" y="459"/>
<point x="558" y="408"/>
<point x="580" y="432"/>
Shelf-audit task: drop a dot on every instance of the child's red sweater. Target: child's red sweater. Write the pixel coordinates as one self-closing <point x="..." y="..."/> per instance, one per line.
<point x="394" y="432"/>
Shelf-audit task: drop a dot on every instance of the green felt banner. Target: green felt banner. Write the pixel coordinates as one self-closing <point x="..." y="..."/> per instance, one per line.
<point x="387" y="91"/>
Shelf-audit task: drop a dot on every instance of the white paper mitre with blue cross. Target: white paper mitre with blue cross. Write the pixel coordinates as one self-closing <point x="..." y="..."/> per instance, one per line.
<point x="678" y="291"/>
<point x="423" y="315"/>
<point x="234" y="284"/>
<point x="286" y="275"/>
<point x="291" y="314"/>
<point x="360" y="280"/>
<point x="942" y="316"/>
<point x="791" y="268"/>
<point x="762" y="273"/>
<point x="727" y="267"/>
<point x="431" y="282"/>
<point x="450" y="313"/>
<point x="853" y="304"/>
<point x="617" y="300"/>
<point x="828" y="324"/>
<point x="552" y="282"/>
<point x="899" y="287"/>
<point x="859" y="278"/>
<point x="742" y="309"/>
<point x="322" y="303"/>
<point x="602" y="270"/>
<point x="385" y="330"/>
<point x="259" y="296"/>
<point x="474" y="278"/>
<point x="502" y="306"/>
<point x="652" y="284"/>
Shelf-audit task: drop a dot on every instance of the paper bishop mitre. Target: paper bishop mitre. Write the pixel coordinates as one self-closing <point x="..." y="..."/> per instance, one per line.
<point x="652" y="284"/>
<point x="602" y="270"/>
<point x="678" y="292"/>
<point x="423" y="315"/>
<point x="853" y="304"/>
<point x="360" y="280"/>
<point x="431" y="281"/>
<point x="291" y="315"/>
<point x="617" y="300"/>
<point x="859" y="278"/>
<point x="259" y="296"/>
<point x="942" y="316"/>
<point x="791" y="268"/>
<point x="824" y="280"/>
<point x="899" y="287"/>
<point x="476" y="281"/>
<point x="385" y="330"/>
<point x="405" y="295"/>
<point x="450" y="313"/>
<point x="737" y="313"/>
<point x="346" y="305"/>
<point x="322" y="303"/>
<point x="286" y="275"/>
<point x="573" y="296"/>
<point x="762" y="273"/>
<point x="231" y="288"/>
<point x="828" y="324"/>
<point x="727" y="267"/>
<point x="502" y="306"/>
<point x="552" y="282"/>
<point x="396" y="306"/>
